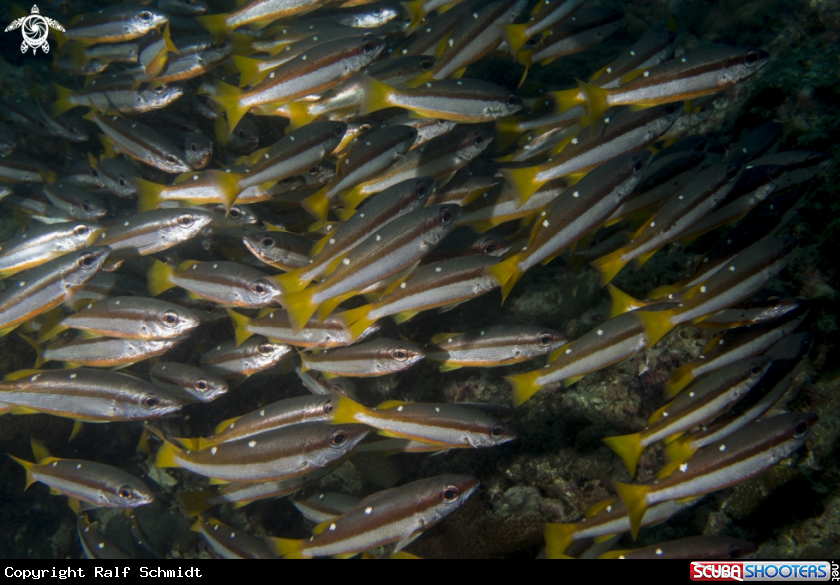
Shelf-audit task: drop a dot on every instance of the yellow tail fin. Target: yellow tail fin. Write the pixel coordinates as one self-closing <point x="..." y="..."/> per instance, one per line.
<point x="249" y="70"/>
<point x="566" y="99"/>
<point x="240" y="326"/>
<point x="680" y="378"/>
<point x="516" y="36"/>
<point x="285" y="548"/>
<point x="676" y="453"/>
<point x="558" y="537"/>
<point x="622" y="302"/>
<point x="62" y="102"/>
<point x="507" y="273"/>
<point x="524" y="181"/>
<point x="166" y="455"/>
<point x="299" y="305"/>
<point x="39" y="450"/>
<point x="609" y="266"/>
<point x="416" y="13"/>
<point x="357" y="321"/>
<point x="148" y="194"/>
<point x="377" y="95"/>
<point x="194" y="503"/>
<point x="228" y="97"/>
<point x="299" y="114"/>
<point x="317" y="205"/>
<point x="596" y="101"/>
<point x="629" y="448"/>
<point x="159" y="278"/>
<point x="635" y="502"/>
<point x="524" y="386"/>
<point x="657" y="324"/>
<point x="507" y="130"/>
<point x="39" y="356"/>
<point x="345" y="409"/>
<point x="27" y="465"/>
<point x="51" y="326"/>
<point x="216" y="24"/>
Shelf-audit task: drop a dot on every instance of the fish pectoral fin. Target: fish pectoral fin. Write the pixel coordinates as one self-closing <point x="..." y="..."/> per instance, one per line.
<point x="408" y="538"/>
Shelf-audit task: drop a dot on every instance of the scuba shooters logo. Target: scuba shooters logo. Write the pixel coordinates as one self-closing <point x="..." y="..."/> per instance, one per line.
<point x="34" y="29"/>
<point x="761" y="571"/>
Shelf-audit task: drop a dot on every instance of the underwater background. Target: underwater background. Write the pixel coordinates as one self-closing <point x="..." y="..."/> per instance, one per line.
<point x="558" y="465"/>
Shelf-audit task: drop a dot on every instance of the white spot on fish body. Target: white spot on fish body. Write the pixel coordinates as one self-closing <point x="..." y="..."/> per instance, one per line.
<point x="600" y="331"/>
<point x="606" y="120"/>
<point x="659" y="552"/>
<point x="684" y="467"/>
<point x="271" y="75"/>
<point x="609" y="508"/>
<point x="703" y="289"/>
<point x="332" y="240"/>
<point x="262" y="413"/>
<point x="633" y="53"/>
<point x="722" y="447"/>
<point x="378" y="237"/>
<point x="731" y="269"/>
<point x="213" y="450"/>
<point x="568" y="351"/>
<point x="402" y="285"/>
<point x="545" y="223"/>
<point x="437" y="409"/>
<point x="574" y="140"/>
<point x="609" y="69"/>
<point x="653" y="224"/>
<point x="346" y="261"/>
<point x="399" y="409"/>
<point x="72" y="376"/>
<point x="576" y="194"/>
<point x="438" y="269"/>
<point x="100" y="545"/>
<point x="332" y="527"/>
<point x="691" y="394"/>
<point x="646" y="74"/>
<point x="252" y="444"/>
<point x="368" y="510"/>
<point x="79" y="466"/>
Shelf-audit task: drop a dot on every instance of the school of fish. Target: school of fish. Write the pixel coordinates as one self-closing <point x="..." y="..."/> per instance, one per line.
<point x="396" y="188"/>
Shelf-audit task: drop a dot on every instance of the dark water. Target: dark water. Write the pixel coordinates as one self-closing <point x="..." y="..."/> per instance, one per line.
<point x="558" y="466"/>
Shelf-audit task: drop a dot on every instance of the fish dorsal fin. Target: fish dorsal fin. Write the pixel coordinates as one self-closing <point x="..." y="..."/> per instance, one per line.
<point x="389" y="404"/>
<point x="598" y="507"/>
<point x="22" y="374"/>
<point x="319" y="528"/>
<point x="437" y="338"/>
<point x="187" y="264"/>
<point x="39" y="450"/>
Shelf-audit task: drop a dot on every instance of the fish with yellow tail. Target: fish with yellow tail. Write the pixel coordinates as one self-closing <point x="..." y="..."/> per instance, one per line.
<point x="95" y="484"/>
<point x="516" y="35"/>
<point x="396" y="515"/>
<point x="705" y="400"/>
<point x="615" y="133"/>
<point x="449" y="426"/>
<point x="379" y="357"/>
<point x="682" y="211"/>
<point x="740" y="456"/>
<point x="577" y="211"/>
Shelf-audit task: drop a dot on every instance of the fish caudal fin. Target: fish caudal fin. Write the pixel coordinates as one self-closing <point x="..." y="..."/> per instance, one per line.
<point x="317" y="205"/>
<point x="27" y="465"/>
<point x="299" y="306"/>
<point x="516" y="36"/>
<point x="524" y="181"/>
<point x="507" y="273"/>
<point x="216" y="24"/>
<point x="621" y="302"/>
<point x="558" y="537"/>
<point x="676" y="453"/>
<point x="285" y="548"/>
<point x="299" y="114"/>
<point x="249" y="70"/>
<point x="657" y="324"/>
<point x="159" y="279"/>
<point x="629" y="448"/>
<point x="39" y="354"/>
<point x="357" y="321"/>
<point x="240" y="326"/>
<point x="62" y="102"/>
<point x="228" y="97"/>
<point x="166" y="455"/>
<point x="609" y="266"/>
<point x="194" y="503"/>
<point x="596" y="101"/>
<point x="148" y="194"/>
<point x="376" y="95"/>
<point x="345" y="409"/>
<point x="680" y="378"/>
<point x="634" y="498"/>
<point x="51" y="326"/>
<point x="524" y="386"/>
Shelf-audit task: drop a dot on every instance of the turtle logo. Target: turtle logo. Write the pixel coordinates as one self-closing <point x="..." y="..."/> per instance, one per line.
<point x="34" y="28"/>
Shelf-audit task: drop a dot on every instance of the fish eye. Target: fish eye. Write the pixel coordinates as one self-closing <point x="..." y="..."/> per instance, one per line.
<point x="186" y="220"/>
<point x="86" y="206"/>
<point x="201" y="385"/>
<point x="731" y="172"/>
<point x="497" y="431"/>
<point x="445" y="216"/>
<point x="425" y="64"/>
<point x="87" y="261"/>
<point x="81" y="230"/>
<point x="150" y="401"/>
<point x="672" y="36"/>
<point x="788" y="248"/>
<point x="71" y="129"/>
<point x="121" y="182"/>
<point x="800" y="429"/>
<point x="545" y="339"/>
<point x="194" y="147"/>
<point x="400" y="354"/>
<point x="637" y="166"/>
<point x="171" y="318"/>
<point x="209" y="308"/>
<point x="234" y="212"/>
<point x="755" y="370"/>
<point x="265" y="349"/>
<point x="171" y="158"/>
<point x="259" y="288"/>
<point x="751" y="58"/>
<point x="145" y="16"/>
<point x="364" y="128"/>
<point x="814" y="158"/>
<point x="489" y="248"/>
<point x="775" y="302"/>
<point x="267" y="243"/>
<point x="125" y="492"/>
<point x="671" y="109"/>
<point x="94" y="173"/>
<point x="314" y="171"/>
<point x="734" y="552"/>
<point x="450" y="494"/>
<point x="340" y="130"/>
<point x="479" y="140"/>
<point x="328" y="407"/>
<point x="368" y="47"/>
<point x="338" y="438"/>
<point x="422" y="189"/>
<point x="512" y="101"/>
